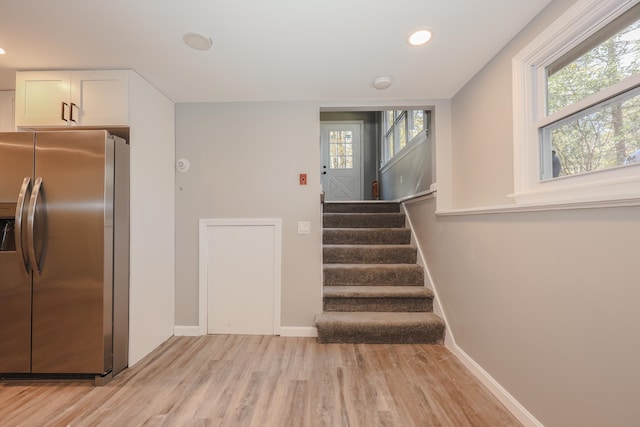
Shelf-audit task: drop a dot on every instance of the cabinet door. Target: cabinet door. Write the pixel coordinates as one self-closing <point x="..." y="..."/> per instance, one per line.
<point x="99" y="98"/>
<point x="42" y="98"/>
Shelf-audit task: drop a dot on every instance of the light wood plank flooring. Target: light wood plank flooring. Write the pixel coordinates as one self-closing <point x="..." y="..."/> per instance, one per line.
<point x="223" y="380"/>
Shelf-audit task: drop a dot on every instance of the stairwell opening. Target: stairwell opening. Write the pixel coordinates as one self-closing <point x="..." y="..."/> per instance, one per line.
<point x="373" y="288"/>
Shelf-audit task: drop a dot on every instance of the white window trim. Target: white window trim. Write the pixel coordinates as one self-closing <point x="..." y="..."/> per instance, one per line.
<point x="622" y="183"/>
<point x="399" y="153"/>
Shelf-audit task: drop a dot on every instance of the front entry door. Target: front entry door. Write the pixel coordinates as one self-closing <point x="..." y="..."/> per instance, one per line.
<point x="341" y="147"/>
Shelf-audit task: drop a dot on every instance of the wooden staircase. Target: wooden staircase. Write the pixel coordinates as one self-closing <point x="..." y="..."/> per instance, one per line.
<point x="373" y="289"/>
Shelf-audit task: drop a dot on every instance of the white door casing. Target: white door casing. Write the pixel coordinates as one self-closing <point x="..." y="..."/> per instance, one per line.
<point x="240" y="270"/>
<point x="341" y="168"/>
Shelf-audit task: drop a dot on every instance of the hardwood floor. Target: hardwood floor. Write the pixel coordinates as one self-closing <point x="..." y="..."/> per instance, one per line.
<point x="235" y="380"/>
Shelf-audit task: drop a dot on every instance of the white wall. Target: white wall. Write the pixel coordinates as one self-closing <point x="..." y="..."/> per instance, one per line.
<point x="483" y="128"/>
<point x="545" y="302"/>
<point x="152" y="286"/>
<point x="245" y="160"/>
<point x="409" y="173"/>
<point x="7" y="111"/>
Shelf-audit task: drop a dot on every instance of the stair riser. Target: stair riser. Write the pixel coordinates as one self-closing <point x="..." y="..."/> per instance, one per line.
<point x="363" y="221"/>
<point x="354" y="276"/>
<point x="361" y="207"/>
<point x="378" y="304"/>
<point x="394" y="236"/>
<point x="369" y="255"/>
<point x="419" y="334"/>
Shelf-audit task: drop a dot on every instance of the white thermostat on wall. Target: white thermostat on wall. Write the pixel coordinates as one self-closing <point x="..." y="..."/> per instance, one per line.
<point x="183" y="165"/>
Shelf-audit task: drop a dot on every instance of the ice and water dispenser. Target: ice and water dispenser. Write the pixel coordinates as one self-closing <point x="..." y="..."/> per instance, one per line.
<point x="7" y="224"/>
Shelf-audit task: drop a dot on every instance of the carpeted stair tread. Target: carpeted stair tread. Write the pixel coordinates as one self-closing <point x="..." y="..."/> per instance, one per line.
<point x="377" y="298"/>
<point x="377" y="291"/>
<point x="373" y="288"/>
<point x="373" y="274"/>
<point x="369" y="254"/>
<point x="363" y="220"/>
<point x="379" y="327"/>
<point x="370" y="207"/>
<point x="366" y="236"/>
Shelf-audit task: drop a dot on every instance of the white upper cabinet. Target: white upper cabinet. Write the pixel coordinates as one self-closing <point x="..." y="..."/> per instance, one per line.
<point x="72" y="98"/>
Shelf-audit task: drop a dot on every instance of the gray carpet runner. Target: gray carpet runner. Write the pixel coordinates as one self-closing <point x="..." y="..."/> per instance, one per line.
<point x="373" y="289"/>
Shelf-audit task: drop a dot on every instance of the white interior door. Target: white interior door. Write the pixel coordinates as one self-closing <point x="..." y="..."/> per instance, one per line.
<point x="243" y="277"/>
<point x="341" y="145"/>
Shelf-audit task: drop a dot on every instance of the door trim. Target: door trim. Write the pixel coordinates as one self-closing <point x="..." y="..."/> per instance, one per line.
<point x="351" y="122"/>
<point x="204" y="224"/>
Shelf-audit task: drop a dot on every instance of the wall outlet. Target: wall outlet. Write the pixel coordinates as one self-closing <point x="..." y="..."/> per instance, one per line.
<point x="303" y="179"/>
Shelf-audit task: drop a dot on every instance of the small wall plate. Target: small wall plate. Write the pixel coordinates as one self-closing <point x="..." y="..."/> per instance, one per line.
<point x="183" y="165"/>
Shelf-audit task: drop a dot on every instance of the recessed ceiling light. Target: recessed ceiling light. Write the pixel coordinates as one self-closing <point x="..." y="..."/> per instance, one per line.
<point x="420" y="37"/>
<point x="197" y="41"/>
<point x="382" y="83"/>
<point x="1" y="51"/>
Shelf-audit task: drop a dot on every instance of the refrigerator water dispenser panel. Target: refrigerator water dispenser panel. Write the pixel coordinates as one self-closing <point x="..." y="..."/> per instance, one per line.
<point x="7" y="235"/>
<point x="7" y="227"/>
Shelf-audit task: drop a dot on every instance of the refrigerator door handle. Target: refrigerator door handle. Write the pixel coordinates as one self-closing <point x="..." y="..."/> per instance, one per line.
<point x="18" y="228"/>
<point x="31" y="214"/>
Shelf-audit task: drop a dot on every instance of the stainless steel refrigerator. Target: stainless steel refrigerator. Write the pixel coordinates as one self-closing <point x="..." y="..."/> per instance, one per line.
<point x="64" y="254"/>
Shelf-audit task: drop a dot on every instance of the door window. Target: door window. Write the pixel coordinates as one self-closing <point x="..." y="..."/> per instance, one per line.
<point x="341" y="149"/>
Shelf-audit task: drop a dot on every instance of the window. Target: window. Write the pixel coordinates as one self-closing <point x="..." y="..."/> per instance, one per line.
<point x="401" y="129"/>
<point x="341" y="149"/>
<point x="416" y="123"/>
<point x="577" y="107"/>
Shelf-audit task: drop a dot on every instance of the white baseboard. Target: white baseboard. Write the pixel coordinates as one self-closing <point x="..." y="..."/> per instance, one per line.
<point x="186" y="331"/>
<point x="285" y="331"/>
<point x="298" y="331"/>
<point x="518" y="411"/>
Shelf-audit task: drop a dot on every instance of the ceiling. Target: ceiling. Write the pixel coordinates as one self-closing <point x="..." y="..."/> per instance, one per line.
<point x="265" y="50"/>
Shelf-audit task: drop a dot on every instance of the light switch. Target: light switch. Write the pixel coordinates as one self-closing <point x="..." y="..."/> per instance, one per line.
<point x="304" y="227"/>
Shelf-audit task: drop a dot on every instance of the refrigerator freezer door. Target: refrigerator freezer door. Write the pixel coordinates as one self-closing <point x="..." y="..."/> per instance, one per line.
<point x="16" y="164"/>
<point x="72" y="294"/>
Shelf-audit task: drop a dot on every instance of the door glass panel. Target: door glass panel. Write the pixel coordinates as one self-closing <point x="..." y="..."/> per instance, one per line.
<point x="341" y="149"/>
<point x="349" y="163"/>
